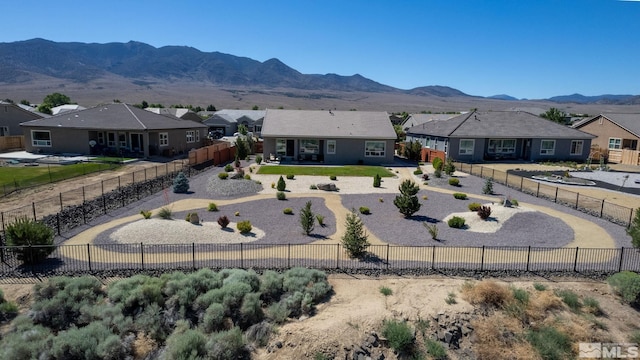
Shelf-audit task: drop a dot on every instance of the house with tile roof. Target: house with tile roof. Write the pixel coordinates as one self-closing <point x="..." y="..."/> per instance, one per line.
<point x="113" y="129"/>
<point x="614" y="133"/>
<point x="329" y="137"/>
<point x="226" y="121"/>
<point x="502" y="135"/>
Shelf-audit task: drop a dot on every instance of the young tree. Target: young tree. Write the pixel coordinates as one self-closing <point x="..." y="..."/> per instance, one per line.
<point x="407" y="202"/>
<point x="449" y="167"/>
<point x="211" y="107"/>
<point x="242" y="148"/>
<point x="24" y="232"/>
<point x="242" y="129"/>
<point x="307" y="219"/>
<point x="555" y="115"/>
<point x="634" y="230"/>
<point x="412" y="150"/>
<point x="355" y="240"/>
<point x="281" y="186"/>
<point x="376" y="180"/>
<point x="180" y="183"/>
<point x="488" y="187"/>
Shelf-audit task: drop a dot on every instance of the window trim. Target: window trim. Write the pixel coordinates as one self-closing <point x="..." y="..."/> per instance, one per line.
<point x="191" y="136"/>
<point x="122" y="140"/>
<point x="549" y="152"/>
<point x="283" y="144"/>
<point x="38" y="143"/>
<point x="571" y="152"/>
<point x="369" y="153"/>
<point x="163" y="139"/>
<point x="100" y="137"/>
<point x="616" y="140"/>
<point x="197" y="135"/>
<point x="333" y="143"/>
<point x="111" y="143"/>
<point x="466" y="152"/>
<point x="500" y="147"/>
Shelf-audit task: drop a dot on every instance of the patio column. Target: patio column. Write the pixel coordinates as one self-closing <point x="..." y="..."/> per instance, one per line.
<point x="145" y="139"/>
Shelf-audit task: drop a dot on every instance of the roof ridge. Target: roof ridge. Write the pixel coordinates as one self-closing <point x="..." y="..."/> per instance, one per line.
<point x="461" y="122"/>
<point x="136" y="117"/>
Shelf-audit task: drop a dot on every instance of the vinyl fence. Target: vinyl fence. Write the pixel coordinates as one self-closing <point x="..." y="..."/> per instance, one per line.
<point x="614" y="213"/>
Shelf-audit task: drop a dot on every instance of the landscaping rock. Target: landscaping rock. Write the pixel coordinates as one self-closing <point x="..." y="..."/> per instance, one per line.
<point x="327" y="187"/>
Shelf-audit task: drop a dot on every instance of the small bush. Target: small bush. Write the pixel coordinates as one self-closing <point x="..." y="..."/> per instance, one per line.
<point x="244" y="226"/>
<point x="634" y="337"/>
<point x="514" y="202"/>
<point x="320" y="219"/>
<point x="258" y="159"/>
<point x="570" y="298"/>
<point x="333" y="177"/>
<point x="237" y="213"/>
<point x="228" y="344"/>
<point x="290" y="176"/>
<point x="425" y="197"/>
<point x="223" y="221"/>
<point x="364" y="210"/>
<point x="399" y="335"/>
<point x="223" y="175"/>
<point x="260" y="333"/>
<point x="212" y="207"/>
<point x="488" y="187"/>
<point x="550" y="343"/>
<point x="146" y="214"/>
<point x="281" y="185"/>
<point x="418" y="171"/>
<point x="287" y="211"/>
<point x="186" y="344"/>
<point x="377" y="180"/>
<point x="449" y="168"/>
<point x="435" y="349"/>
<point x="487" y="293"/>
<point x="433" y="230"/>
<point x="456" y="222"/>
<point x="386" y="291"/>
<point x="7" y="309"/>
<point x="165" y="213"/>
<point x="437" y="173"/>
<point x="521" y="295"/>
<point x="24" y="232"/>
<point x="313" y="187"/>
<point x="484" y="212"/>
<point x="380" y="200"/>
<point x="247" y="177"/>
<point x="437" y="164"/>
<point x="592" y="306"/>
<point x="281" y="195"/>
<point x="273" y="185"/>
<point x="460" y="196"/>
<point x="451" y="298"/>
<point x="228" y="168"/>
<point x="454" y="182"/>
<point x="180" y="183"/>
<point x="474" y="206"/>
<point x="539" y="287"/>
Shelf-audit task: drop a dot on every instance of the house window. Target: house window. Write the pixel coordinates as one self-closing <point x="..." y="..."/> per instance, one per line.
<point x="122" y="140"/>
<point x="374" y="148"/>
<point x="258" y="128"/>
<point x="466" y="146"/>
<point x="191" y="136"/>
<point x="4" y="131"/>
<point x="331" y="146"/>
<point x="41" y="138"/>
<point x="309" y="146"/>
<point x="502" y="146"/>
<point x="615" y="143"/>
<point x="100" y="138"/>
<point x="576" y="147"/>
<point x="547" y="147"/>
<point x="197" y="135"/>
<point x="281" y="147"/>
<point x="111" y="139"/>
<point x="164" y="139"/>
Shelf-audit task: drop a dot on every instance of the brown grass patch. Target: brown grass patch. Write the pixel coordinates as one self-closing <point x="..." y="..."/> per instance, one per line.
<point x="143" y="345"/>
<point x="487" y="293"/>
<point x="500" y="337"/>
<point x="541" y="303"/>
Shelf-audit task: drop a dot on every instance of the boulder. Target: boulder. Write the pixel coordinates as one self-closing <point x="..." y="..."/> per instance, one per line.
<point x="327" y="187"/>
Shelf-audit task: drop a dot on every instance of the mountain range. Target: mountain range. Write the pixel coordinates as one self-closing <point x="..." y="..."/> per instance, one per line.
<point x="27" y="64"/>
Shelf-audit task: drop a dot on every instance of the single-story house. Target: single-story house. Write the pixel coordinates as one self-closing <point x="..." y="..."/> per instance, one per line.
<point x="226" y="121"/>
<point x="330" y="137"/>
<point x="113" y="129"/>
<point x="418" y="119"/>
<point x="180" y="113"/>
<point x="614" y="133"/>
<point x="498" y="135"/>
<point x="11" y="115"/>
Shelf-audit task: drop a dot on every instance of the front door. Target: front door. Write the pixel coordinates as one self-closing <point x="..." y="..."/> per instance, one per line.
<point x="526" y="149"/>
<point x="290" y="148"/>
<point x="137" y="142"/>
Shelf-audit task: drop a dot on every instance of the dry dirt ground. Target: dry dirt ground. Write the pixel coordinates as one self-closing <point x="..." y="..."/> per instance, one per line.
<point x="358" y="308"/>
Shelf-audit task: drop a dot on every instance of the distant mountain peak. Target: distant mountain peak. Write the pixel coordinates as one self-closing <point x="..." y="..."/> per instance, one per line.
<point x="502" y="97"/>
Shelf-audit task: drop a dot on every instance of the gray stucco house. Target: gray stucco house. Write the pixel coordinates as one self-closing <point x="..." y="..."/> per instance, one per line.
<point x="11" y="115"/>
<point x="113" y="129"/>
<point x="226" y="121"/>
<point x="501" y="135"/>
<point x="330" y="137"/>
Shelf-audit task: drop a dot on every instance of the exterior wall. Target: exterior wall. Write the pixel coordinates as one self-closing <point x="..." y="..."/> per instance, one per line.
<point x="478" y="150"/>
<point x="562" y="150"/>
<point x="12" y="115"/>
<point x="348" y="151"/>
<point x="605" y="131"/>
<point x="62" y="141"/>
<point x="431" y="142"/>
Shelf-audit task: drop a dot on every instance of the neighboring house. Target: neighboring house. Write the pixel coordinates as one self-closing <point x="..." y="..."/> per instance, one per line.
<point x="66" y="108"/>
<point x="614" y="133"/>
<point x="180" y="113"/>
<point x="498" y="135"/>
<point x="11" y="115"/>
<point x="331" y="137"/>
<point x="418" y="119"/>
<point x="226" y="121"/>
<point x="113" y="129"/>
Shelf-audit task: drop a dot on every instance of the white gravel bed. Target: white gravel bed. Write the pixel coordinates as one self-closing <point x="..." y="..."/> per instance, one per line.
<point x="611" y="177"/>
<point x="345" y="184"/>
<point x="160" y="231"/>
<point x="499" y="215"/>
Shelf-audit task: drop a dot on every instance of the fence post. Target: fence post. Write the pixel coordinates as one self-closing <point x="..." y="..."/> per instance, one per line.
<point x="630" y="217"/>
<point x="387" y="256"/>
<point x="602" y="208"/>
<point x="142" y="255"/>
<point x="61" y="209"/>
<point x="575" y="260"/>
<point x="33" y="205"/>
<point x="538" y="191"/>
<point x="89" y="256"/>
<point x="521" y="180"/>
<point x="241" y="257"/>
<point x="84" y="212"/>
<point x="289" y="256"/>
<point x="493" y="173"/>
<point x="506" y="179"/>
<point x="528" y="257"/>
<point x="621" y="258"/>
<point x="338" y="256"/>
<point x="481" y="170"/>
<point x="433" y="256"/>
<point x="193" y="255"/>
<point x="482" y="260"/>
<point x="556" y="198"/>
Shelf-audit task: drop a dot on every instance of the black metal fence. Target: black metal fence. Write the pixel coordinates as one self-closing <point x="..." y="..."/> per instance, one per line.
<point x="614" y="213"/>
<point x="73" y="259"/>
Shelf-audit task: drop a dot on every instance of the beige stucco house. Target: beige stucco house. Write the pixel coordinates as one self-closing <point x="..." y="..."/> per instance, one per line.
<point x="614" y="133"/>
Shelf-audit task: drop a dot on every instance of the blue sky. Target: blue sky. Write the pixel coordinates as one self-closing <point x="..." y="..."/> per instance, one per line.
<point x="524" y="48"/>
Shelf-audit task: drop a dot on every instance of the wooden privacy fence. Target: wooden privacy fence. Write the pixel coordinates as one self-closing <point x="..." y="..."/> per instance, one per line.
<point x="89" y="258"/>
<point x="11" y="142"/>
<point x="427" y="155"/>
<point x="614" y="213"/>
<point x="219" y="153"/>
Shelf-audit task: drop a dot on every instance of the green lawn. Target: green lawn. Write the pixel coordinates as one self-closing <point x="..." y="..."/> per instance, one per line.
<point x="110" y="159"/>
<point x="12" y="177"/>
<point x="345" y="170"/>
